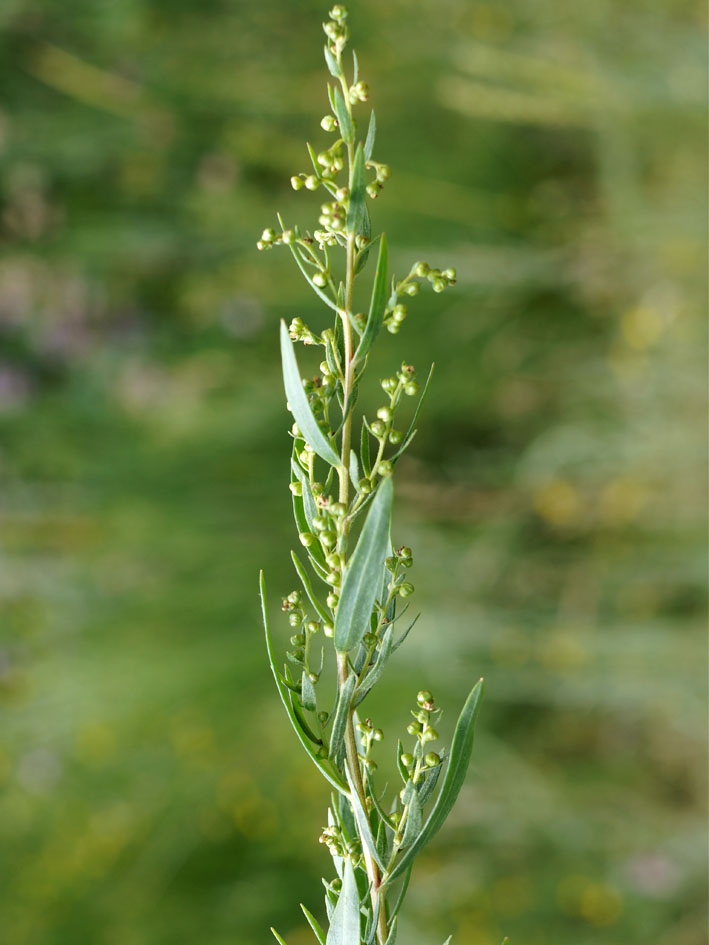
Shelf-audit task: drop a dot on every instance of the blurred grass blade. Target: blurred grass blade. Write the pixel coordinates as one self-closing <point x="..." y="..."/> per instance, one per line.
<point x="333" y="777"/>
<point x="314" y="925"/>
<point x="345" y="926"/>
<point x="363" y="572"/>
<point x="378" y="302"/>
<point x="458" y="761"/>
<point x="298" y="402"/>
<point x="358" y="183"/>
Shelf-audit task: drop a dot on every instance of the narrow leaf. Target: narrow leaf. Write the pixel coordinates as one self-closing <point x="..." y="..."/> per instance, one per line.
<point x="402" y="892"/>
<point x="339" y="723"/>
<point x="345" y="925"/>
<point x="355" y="63"/>
<point x="316" y="289"/>
<point x="298" y="402"/>
<point x="364" y="828"/>
<point x="278" y="937"/>
<point x="413" y="820"/>
<point x="344" y="119"/>
<point x="364" y="451"/>
<point x="364" y="254"/>
<point x="362" y="574"/>
<point x="308" y="587"/>
<point x="428" y="786"/>
<point x="411" y="432"/>
<point x="377" y="304"/>
<point x="392" y="931"/>
<point x="376" y="671"/>
<point x="314" y="925"/>
<point x="354" y="471"/>
<point x="333" y="66"/>
<point x="358" y="193"/>
<point x="371" y="134"/>
<point x="308" y="693"/>
<point x="406" y="632"/>
<point x="332" y="776"/>
<point x="458" y="761"/>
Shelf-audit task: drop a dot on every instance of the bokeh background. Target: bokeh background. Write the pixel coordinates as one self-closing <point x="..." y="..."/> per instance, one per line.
<point x="150" y="790"/>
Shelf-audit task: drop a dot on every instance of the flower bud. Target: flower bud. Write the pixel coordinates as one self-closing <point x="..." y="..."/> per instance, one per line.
<point x="296" y="488"/>
<point x="328" y="629"/>
<point x="385" y="414"/>
<point x="407" y="760"/>
<point x="432" y="759"/>
<point x="413" y="728"/>
<point x="338" y="12"/>
<point x="378" y="735"/>
<point x="411" y="288"/>
<point x="424" y="696"/>
<point x="306" y="539"/>
<point x="297" y="639"/>
<point x="422" y="269"/>
<point x="385" y="468"/>
<point x="311" y="182"/>
<point x="296" y="182"/>
<point x="365" y="486"/>
<point x="438" y="285"/>
<point x="312" y="626"/>
<point x="295" y="619"/>
<point x="268" y="235"/>
<point x="395" y="436"/>
<point x="328" y="123"/>
<point x="320" y="279"/>
<point x="406" y="589"/>
<point x="429" y="734"/>
<point x="412" y="388"/>
<point x="389" y="384"/>
<point x="377" y="428"/>
<point x="449" y="274"/>
<point x="328" y="539"/>
<point x="393" y="328"/>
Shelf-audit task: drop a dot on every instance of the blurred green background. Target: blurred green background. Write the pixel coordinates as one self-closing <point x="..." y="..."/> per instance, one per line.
<point x="151" y="792"/>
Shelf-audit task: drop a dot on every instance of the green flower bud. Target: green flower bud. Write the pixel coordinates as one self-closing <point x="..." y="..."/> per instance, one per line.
<point x="342" y="194"/>
<point x="296" y="182"/>
<point x="288" y="237"/>
<point x="317" y="489"/>
<point x="306" y="539"/>
<point x="406" y="589"/>
<point x="378" y="735"/>
<point x="338" y="509"/>
<point x="260" y="245"/>
<point x="411" y="288"/>
<point x="449" y="274"/>
<point x="320" y="279"/>
<point x="296" y="488"/>
<point x="389" y="384"/>
<point x="323" y="717"/>
<point x="413" y="728"/>
<point x="268" y="235"/>
<point x="331" y="601"/>
<point x="385" y="414"/>
<point x="365" y="486"/>
<point x="328" y="539"/>
<point x="333" y="577"/>
<point x="385" y="468"/>
<point x="338" y="12"/>
<point x="431" y="759"/>
<point x="328" y="123"/>
<point x="424" y="697"/>
<point x="297" y="639"/>
<point x="393" y="328"/>
<point x="378" y="428"/>
<point x="429" y="734"/>
<point x="422" y="269"/>
<point x="412" y="388"/>
<point x="328" y="629"/>
<point x="295" y="619"/>
<point x="407" y="760"/>
<point x="320" y="523"/>
<point x="311" y="182"/>
<point x="294" y="597"/>
<point x="383" y="172"/>
<point x="369" y="639"/>
<point x="438" y="285"/>
<point x="395" y="436"/>
<point x="297" y="655"/>
<point x="312" y="626"/>
<point x="373" y="190"/>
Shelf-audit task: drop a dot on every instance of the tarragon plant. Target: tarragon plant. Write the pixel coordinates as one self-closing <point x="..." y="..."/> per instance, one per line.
<point x="353" y="602"/>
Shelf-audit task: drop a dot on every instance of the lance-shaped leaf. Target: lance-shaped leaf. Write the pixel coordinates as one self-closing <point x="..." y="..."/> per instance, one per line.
<point x="334" y="68"/>
<point x="358" y="192"/>
<point x="458" y="761"/>
<point x="393" y="929"/>
<point x="314" y="925"/>
<point x="278" y="937"/>
<point x="413" y="820"/>
<point x="316" y="289"/>
<point x="363" y="572"/>
<point x="298" y="402"/>
<point x="308" y="587"/>
<point x="344" y="924"/>
<point x="344" y="119"/>
<point x="339" y="723"/>
<point x="377" y="304"/>
<point x="371" y="134"/>
<point x="364" y="828"/>
<point x="376" y="671"/>
<point x="323" y="766"/>
<point x="411" y="432"/>
<point x="308" y="693"/>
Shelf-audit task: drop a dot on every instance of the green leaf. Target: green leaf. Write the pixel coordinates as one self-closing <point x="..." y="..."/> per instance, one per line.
<point x="339" y="723"/>
<point x="355" y="63"/>
<point x="377" y="304"/>
<point x="411" y="432"/>
<point x="308" y="693"/>
<point x="376" y="671"/>
<point x="354" y="471"/>
<point x="358" y="184"/>
<point x="364" y="451"/>
<point x="278" y="937"/>
<point x="393" y="928"/>
<point x="364" y="254"/>
<point x="316" y="289"/>
<point x="308" y="587"/>
<point x="450" y="939"/>
<point x="314" y="925"/>
<point x="345" y="924"/>
<point x="371" y="134"/>
<point x="332" y="776"/>
<point x="364" y="828"/>
<point x="333" y="65"/>
<point x="344" y="119"/>
<point x="298" y="402"/>
<point x="402" y="892"/>
<point x="363" y="572"/>
<point x="413" y="820"/>
<point x="458" y="761"/>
